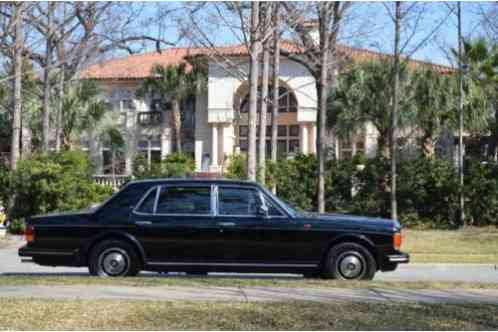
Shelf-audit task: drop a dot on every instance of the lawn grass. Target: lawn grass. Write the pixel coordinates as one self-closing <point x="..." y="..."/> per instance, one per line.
<point x="462" y="246"/>
<point x="228" y="281"/>
<point x="73" y="314"/>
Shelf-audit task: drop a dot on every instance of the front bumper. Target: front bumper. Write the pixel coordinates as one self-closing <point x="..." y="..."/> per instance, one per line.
<point x="398" y="258"/>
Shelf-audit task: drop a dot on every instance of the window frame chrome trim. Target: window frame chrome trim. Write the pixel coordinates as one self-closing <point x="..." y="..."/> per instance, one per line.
<point x="139" y="204"/>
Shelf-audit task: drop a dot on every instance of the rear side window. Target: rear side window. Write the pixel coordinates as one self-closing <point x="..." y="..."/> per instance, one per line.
<point x="147" y="205"/>
<point x="184" y="200"/>
<point x="238" y="201"/>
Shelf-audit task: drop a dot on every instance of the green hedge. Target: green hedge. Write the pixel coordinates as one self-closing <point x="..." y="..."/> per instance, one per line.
<point x="53" y="182"/>
<point x="428" y="190"/>
<point x="173" y="165"/>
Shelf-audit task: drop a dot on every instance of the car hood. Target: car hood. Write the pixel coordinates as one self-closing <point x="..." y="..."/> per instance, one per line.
<point x="353" y="221"/>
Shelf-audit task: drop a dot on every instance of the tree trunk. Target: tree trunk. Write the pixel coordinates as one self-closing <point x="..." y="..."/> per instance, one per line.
<point x="253" y="92"/>
<point x="460" y="118"/>
<point x="58" y="121"/>
<point x="46" y="81"/>
<point x="322" y="92"/>
<point x="177" y="123"/>
<point x="275" y="97"/>
<point x="262" y="115"/>
<point x="17" y="101"/>
<point x="394" y="112"/>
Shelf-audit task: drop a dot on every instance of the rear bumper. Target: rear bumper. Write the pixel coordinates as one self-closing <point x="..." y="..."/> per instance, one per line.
<point x="51" y="257"/>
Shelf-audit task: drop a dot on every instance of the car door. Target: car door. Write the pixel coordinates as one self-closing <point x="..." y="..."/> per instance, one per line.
<point x="175" y="224"/>
<point x="240" y="226"/>
<point x="287" y="240"/>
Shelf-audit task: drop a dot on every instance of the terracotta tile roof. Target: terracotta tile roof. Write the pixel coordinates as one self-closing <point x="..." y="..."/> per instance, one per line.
<point x="139" y="66"/>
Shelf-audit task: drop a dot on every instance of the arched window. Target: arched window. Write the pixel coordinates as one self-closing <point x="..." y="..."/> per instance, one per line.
<point x="287" y="101"/>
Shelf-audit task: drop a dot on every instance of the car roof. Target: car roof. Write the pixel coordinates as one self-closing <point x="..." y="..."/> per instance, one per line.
<point x="193" y="181"/>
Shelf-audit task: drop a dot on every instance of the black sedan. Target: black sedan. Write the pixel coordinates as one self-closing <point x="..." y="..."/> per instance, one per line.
<point x="200" y="226"/>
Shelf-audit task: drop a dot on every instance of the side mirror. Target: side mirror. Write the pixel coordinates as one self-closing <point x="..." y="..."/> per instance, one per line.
<point x="263" y="211"/>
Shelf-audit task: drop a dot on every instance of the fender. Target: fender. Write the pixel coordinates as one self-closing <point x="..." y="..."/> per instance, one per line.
<point x="115" y="234"/>
<point x="351" y="237"/>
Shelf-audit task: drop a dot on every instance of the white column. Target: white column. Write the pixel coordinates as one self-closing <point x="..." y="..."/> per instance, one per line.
<point x="165" y="142"/>
<point x="198" y="155"/>
<point x="214" y="148"/>
<point x="303" y="138"/>
<point x="313" y="139"/>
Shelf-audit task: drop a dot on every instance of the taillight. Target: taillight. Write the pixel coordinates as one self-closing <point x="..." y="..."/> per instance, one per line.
<point x="397" y="240"/>
<point x="29" y="233"/>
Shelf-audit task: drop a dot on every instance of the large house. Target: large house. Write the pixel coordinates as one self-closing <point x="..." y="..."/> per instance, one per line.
<point x="214" y="125"/>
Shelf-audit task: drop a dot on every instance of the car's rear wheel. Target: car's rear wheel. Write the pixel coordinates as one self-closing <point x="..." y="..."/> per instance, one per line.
<point x="350" y="261"/>
<point x="113" y="258"/>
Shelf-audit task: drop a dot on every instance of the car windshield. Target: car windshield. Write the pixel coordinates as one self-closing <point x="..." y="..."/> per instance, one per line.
<point x="288" y="207"/>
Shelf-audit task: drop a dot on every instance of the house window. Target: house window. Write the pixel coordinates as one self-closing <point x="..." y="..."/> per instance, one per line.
<point x="287" y="101"/>
<point x="288" y="139"/>
<point x="116" y="166"/>
<point x="150" y="147"/>
<point x="350" y="146"/>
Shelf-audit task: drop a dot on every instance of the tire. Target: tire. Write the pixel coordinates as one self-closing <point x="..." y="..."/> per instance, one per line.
<point x="114" y="258"/>
<point x="349" y="261"/>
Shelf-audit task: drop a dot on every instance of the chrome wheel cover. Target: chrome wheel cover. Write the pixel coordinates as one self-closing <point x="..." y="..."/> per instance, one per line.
<point x="351" y="265"/>
<point x="114" y="262"/>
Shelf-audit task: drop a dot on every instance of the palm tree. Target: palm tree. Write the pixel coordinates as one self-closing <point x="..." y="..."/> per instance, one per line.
<point x="363" y="94"/>
<point x="435" y="102"/>
<point x="482" y="60"/>
<point x="175" y="83"/>
<point x="82" y="108"/>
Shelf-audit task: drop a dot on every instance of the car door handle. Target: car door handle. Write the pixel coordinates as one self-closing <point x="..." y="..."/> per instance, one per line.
<point x="143" y="222"/>
<point x="226" y="224"/>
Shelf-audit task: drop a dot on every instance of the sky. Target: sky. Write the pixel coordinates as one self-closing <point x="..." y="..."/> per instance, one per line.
<point x="369" y="26"/>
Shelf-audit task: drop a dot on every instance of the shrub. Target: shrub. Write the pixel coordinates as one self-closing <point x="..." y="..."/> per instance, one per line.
<point x="237" y="167"/>
<point x="481" y="193"/>
<point x="296" y="180"/>
<point x="4" y="184"/>
<point x="54" y="182"/>
<point x="173" y="165"/>
<point x="17" y="226"/>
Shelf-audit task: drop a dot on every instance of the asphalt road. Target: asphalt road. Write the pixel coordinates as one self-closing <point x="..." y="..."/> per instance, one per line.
<point x="486" y="273"/>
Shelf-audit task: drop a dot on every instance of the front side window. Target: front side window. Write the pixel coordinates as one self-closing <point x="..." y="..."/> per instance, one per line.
<point x="273" y="210"/>
<point x="238" y="201"/>
<point x="184" y="200"/>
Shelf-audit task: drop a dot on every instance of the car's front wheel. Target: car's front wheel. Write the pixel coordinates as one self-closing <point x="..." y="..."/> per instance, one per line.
<point x="114" y="258"/>
<point x="350" y="261"/>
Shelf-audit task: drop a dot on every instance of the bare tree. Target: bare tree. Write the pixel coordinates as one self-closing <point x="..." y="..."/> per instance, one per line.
<point x="253" y="89"/>
<point x="275" y="85"/>
<point x="47" y="71"/>
<point x="395" y="105"/>
<point x="319" y="59"/>
<point x="265" y="27"/>
<point x="460" y="116"/>
<point x="16" y="118"/>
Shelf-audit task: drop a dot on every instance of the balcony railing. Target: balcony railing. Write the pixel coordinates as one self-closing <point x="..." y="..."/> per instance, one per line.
<point x="149" y="118"/>
<point x="116" y="181"/>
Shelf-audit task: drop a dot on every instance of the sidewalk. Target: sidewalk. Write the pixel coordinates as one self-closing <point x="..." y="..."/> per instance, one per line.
<point x="262" y="294"/>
